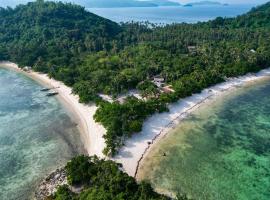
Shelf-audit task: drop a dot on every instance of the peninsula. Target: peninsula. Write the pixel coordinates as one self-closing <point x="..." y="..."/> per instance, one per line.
<point x="129" y="83"/>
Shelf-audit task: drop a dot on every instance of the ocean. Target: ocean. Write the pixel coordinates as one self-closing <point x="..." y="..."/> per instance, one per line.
<point x="221" y="151"/>
<point x="168" y="15"/>
<point x="37" y="135"/>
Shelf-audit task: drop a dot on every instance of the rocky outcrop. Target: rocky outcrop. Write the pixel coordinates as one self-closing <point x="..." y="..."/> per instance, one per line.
<point x="50" y="184"/>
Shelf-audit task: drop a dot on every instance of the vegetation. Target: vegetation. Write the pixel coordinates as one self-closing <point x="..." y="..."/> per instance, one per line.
<point x="95" y="55"/>
<point x="103" y="180"/>
<point x="148" y="89"/>
<point x="53" y="36"/>
<point x="122" y="120"/>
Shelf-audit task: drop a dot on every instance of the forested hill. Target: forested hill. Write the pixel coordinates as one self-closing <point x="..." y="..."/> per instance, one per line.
<point x="257" y="17"/>
<point x="47" y="32"/>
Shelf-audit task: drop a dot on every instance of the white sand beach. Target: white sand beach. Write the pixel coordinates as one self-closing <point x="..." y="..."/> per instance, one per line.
<point x="91" y="132"/>
<point x="157" y="126"/>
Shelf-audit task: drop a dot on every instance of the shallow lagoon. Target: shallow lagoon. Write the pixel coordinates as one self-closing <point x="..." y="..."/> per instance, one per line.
<point x="37" y="135"/>
<point x="221" y="151"/>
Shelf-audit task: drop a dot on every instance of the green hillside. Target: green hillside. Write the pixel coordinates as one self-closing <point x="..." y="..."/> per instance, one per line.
<point x="257" y="17"/>
<point x="48" y="34"/>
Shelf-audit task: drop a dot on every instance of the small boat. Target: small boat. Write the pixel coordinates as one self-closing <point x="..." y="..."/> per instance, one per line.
<point x="45" y="89"/>
<point x="52" y="94"/>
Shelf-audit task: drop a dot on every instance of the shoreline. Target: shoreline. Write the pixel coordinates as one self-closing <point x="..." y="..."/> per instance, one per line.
<point x="91" y="133"/>
<point x="158" y="126"/>
<point x="136" y="148"/>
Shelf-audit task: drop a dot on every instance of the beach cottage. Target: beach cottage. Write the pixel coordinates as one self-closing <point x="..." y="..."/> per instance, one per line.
<point x="27" y="69"/>
<point x="159" y="81"/>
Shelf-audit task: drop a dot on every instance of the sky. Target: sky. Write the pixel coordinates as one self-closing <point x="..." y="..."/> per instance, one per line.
<point x="4" y="3"/>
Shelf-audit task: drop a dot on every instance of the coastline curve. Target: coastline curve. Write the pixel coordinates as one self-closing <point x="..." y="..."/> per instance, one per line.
<point x="157" y="126"/>
<point x="91" y="132"/>
<point x="154" y="128"/>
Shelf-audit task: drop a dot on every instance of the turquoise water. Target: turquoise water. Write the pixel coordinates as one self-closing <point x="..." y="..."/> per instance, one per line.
<point x="220" y="152"/>
<point x="171" y="14"/>
<point x="36" y="135"/>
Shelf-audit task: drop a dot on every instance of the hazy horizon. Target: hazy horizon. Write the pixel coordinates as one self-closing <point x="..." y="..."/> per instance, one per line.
<point x="12" y="3"/>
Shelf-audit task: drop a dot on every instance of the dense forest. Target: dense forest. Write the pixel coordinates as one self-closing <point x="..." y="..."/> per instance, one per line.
<point x="103" y="180"/>
<point x="94" y="55"/>
<point x="50" y="35"/>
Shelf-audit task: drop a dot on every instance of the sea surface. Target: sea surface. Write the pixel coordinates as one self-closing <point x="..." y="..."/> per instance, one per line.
<point x="36" y="135"/>
<point x="220" y="152"/>
<point x="172" y="14"/>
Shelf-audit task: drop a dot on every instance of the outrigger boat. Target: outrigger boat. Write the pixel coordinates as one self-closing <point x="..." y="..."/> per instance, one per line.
<point x="45" y="89"/>
<point x="52" y="94"/>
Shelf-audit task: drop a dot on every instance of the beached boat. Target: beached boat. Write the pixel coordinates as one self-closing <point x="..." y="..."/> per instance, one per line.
<point x="52" y="94"/>
<point x="45" y="89"/>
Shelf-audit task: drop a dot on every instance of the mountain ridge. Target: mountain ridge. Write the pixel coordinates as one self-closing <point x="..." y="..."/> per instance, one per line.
<point x="204" y="3"/>
<point x="125" y="3"/>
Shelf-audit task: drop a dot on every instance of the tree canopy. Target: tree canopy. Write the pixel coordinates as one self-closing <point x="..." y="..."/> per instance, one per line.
<point x="94" y="55"/>
<point x="51" y="36"/>
<point x="103" y="180"/>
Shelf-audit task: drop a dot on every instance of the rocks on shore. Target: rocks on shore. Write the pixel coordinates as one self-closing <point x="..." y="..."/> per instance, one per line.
<point x="50" y="184"/>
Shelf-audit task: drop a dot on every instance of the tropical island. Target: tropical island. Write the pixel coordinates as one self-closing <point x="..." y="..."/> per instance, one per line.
<point x="123" y="3"/>
<point x="205" y="3"/>
<point x="125" y="73"/>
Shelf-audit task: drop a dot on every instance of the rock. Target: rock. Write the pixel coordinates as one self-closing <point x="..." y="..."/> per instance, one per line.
<point x="49" y="185"/>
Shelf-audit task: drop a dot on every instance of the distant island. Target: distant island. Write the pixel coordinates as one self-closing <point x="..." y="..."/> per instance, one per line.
<point x="124" y="3"/>
<point x="164" y="3"/>
<point x="204" y="3"/>
<point x="126" y="73"/>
